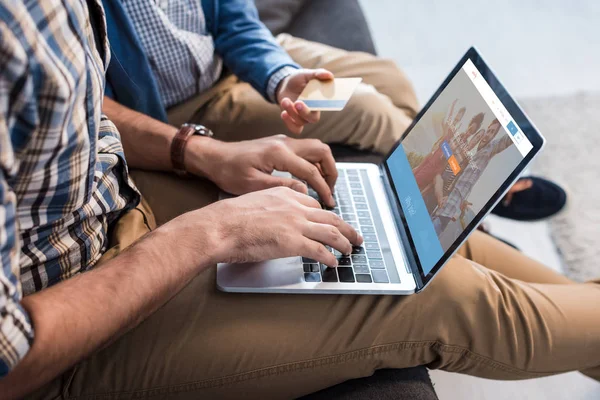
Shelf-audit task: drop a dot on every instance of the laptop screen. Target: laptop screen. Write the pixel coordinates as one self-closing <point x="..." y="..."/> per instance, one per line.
<point x="452" y="162"/>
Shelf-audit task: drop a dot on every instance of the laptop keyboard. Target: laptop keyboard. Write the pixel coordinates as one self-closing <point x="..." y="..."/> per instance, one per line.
<point x="366" y="264"/>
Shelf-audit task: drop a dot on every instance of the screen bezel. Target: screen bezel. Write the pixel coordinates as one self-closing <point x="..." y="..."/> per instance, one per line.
<point x="526" y="126"/>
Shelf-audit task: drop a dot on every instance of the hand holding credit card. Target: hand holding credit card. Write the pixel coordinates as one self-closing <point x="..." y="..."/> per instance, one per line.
<point x="331" y="95"/>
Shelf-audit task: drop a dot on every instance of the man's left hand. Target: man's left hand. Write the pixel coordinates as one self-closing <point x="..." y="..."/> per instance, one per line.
<point x="295" y="114"/>
<point x="244" y="167"/>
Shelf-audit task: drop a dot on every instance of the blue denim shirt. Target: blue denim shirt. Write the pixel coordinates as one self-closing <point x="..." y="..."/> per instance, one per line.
<point x="247" y="47"/>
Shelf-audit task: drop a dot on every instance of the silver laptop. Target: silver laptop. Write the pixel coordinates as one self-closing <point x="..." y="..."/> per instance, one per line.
<point x="461" y="154"/>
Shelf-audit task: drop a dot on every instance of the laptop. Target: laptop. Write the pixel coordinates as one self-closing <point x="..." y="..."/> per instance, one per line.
<point x="453" y="164"/>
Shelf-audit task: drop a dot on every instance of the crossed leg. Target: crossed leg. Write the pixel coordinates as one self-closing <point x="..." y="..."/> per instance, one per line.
<point x="378" y="113"/>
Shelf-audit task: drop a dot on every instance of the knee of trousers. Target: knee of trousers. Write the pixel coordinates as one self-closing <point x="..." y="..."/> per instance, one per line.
<point x="404" y="95"/>
<point x="478" y="317"/>
<point x="377" y="123"/>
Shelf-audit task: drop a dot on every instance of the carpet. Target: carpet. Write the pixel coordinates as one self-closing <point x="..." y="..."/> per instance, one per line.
<point x="571" y="157"/>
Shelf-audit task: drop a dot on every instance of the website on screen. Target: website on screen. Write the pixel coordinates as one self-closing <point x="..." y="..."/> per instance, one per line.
<point x="453" y="160"/>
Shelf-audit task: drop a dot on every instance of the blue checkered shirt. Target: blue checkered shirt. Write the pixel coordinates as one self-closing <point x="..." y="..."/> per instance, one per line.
<point x="470" y="175"/>
<point x="180" y="50"/>
<point x="63" y="177"/>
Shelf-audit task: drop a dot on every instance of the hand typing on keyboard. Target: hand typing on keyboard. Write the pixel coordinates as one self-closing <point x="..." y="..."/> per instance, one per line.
<point x="366" y="263"/>
<point x="277" y="223"/>
<point x="245" y="167"/>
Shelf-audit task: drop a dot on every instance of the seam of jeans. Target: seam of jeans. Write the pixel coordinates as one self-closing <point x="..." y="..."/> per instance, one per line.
<point x="311" y="364"/>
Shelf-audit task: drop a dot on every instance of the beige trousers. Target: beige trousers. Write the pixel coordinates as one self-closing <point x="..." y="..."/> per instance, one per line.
<point x="491" y="311"/>
<point x="374" y="119"/>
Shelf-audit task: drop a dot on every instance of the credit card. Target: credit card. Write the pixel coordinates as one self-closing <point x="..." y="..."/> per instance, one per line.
<point x="329" y="95"/>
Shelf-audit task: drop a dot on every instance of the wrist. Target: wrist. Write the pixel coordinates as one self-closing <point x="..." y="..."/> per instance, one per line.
<point x="278" y="90"/>
<point x="276" y="82"/>
<point x="195" y="237"/>
<point x="201" y="155"/>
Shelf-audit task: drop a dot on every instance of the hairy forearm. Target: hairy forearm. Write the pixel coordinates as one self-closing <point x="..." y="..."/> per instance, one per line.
<point x="146" y="141"/>
<point x="83" y="314"/>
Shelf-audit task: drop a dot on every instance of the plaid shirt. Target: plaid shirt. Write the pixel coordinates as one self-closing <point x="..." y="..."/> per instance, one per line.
<point x="470" y="175"/>
<point x="181" y="52"/>
<point x="63" y="177"/>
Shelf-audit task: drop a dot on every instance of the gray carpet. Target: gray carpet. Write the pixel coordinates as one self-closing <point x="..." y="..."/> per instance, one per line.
<point x="571" y="126"/>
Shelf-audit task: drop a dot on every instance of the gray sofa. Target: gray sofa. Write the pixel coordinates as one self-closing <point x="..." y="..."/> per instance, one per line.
<point x="341" y="23"/>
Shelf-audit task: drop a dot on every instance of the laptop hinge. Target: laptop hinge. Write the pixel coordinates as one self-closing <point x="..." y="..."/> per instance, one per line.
<point x="411" y="262"/>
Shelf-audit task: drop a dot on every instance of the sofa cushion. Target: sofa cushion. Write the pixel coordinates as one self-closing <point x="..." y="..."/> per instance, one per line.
<point x="337" y="23"/>
<point x="384" y="384"/>
<point x="277" y="15"/>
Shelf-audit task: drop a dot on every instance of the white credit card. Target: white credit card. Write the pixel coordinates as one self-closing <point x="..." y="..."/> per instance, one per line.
<point x="329" y="95"/>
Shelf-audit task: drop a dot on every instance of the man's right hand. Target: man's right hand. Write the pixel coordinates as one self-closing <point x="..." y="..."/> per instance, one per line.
<point x="275" y="223"/>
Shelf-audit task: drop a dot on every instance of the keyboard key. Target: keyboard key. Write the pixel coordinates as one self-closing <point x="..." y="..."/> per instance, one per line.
<point x="346" y="210"/>
<point x="312" y="277"/>
<point x="380" y="276"/>
<point x="371" y="237"/>
<point x="311" y="267"/>
<point x="371" y="246"/>
<point x="345" y="274"/>
<point x="353" y="178"/>
<point x="308" y="260"/>
<point x="365" y="221"/>
<point x="336" y="211"/>
<point x="376" y="264"/>
<point x="362" y="206"/>
<point x="355" y="185"/>
<point x="367" y="229"/>
<point x="341" y="172"/>
<point x="363" y="278"/>
<point x="363" y="214"/>
<point x="359" y="199"/>
<point x="361" y="268"/>
<point x="356" y="192"/>
<point x="351" y="172"/>
<point x="343" y="201"/>
<point x="329" y="249"/>
<point x="328" y="274"/>
<point x="374" y="254"/>
<point x="348" y="217"/>
<point x="359" y="259"/>
<point x="358" y="250"/>
<point x="344" y="260"/>
<point x="353" y="224"/>
<point x="337" y="253"/>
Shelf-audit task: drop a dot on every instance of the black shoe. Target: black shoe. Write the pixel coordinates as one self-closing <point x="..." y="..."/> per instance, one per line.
<point x="542" y="200"/>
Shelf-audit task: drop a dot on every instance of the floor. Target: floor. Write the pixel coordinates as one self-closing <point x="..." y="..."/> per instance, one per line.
<point x="537" y="49"/>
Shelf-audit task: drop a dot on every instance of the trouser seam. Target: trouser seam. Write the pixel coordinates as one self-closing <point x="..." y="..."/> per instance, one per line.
<point x="145" y="218"/>
<point x="311" y="364"/>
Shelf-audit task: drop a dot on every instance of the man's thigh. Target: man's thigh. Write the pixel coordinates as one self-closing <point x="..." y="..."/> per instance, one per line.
<point x="374" y="119"/>
<point x="209" y="344"/>
<point x="170" y="196"/>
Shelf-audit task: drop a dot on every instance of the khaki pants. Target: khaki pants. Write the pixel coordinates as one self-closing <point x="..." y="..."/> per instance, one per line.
<point x="490" y="312"/>
<point x="378" y="113"/>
